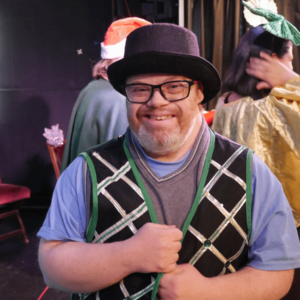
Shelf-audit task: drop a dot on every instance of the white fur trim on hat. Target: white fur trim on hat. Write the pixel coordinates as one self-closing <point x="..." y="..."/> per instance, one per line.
<point x="113" y="51"/>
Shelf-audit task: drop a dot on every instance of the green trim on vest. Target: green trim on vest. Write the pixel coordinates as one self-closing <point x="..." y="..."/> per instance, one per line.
<point x="94" y="216"/>
<point x="140" y="184"/>
<point x="194" y="207"/>
<point x="199" y="193"/>
<point x="249" y="192"/>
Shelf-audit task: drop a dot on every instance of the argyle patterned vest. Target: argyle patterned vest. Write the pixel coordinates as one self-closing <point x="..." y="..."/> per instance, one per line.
<point x="217" y="229"/>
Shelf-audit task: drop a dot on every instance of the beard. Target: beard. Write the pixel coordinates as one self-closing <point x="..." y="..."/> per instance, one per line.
<point x="163" y="141"/>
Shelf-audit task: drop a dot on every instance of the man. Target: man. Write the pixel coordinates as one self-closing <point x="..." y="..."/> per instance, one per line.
<point x="99" y="112"/>
<point x="172" y="205"/>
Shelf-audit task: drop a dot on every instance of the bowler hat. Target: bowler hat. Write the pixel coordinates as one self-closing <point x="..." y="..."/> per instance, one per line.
<point x="168" y="49"/>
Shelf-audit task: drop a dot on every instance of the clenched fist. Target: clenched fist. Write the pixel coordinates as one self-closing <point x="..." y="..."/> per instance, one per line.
<point x="185" y="282"/>
<point x="156" y="248"/>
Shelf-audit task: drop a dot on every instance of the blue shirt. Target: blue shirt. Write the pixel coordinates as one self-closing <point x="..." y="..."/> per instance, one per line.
<point x="274" y="243"/>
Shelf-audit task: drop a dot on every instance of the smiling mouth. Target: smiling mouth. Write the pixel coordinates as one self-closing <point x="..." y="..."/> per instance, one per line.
<point x="159" y="118"/>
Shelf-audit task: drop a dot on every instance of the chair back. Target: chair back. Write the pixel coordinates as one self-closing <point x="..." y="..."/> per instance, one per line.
<point x="56" y="153"/>
<point x="11" y="199"/>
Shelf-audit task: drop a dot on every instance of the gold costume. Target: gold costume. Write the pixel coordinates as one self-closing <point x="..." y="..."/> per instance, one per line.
<point x="271" y="127"/>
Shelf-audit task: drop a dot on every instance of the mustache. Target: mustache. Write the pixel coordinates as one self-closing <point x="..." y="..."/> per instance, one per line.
<point x="165" y="111"/>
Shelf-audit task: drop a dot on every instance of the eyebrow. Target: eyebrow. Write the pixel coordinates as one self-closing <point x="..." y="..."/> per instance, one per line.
<point x="171" y="78"/>
<point x="174" y="78"/>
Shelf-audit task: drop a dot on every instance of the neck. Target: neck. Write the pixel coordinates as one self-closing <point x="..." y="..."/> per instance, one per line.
<point x="184" y="149"/>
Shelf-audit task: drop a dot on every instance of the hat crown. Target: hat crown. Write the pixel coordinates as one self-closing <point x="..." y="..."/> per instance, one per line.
<point x="161" y="37"/>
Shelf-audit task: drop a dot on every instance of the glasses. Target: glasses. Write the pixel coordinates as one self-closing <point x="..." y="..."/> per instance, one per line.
<point x="171" y="91"/>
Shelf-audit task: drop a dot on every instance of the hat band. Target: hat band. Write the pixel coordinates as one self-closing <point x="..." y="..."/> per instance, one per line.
<point x="113" y="51"/>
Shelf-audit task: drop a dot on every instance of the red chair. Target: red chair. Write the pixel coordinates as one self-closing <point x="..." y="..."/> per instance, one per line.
<point x="11" y="198"/>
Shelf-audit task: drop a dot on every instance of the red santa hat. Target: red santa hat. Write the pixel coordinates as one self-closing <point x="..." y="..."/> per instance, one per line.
<point x="115" y="37"/>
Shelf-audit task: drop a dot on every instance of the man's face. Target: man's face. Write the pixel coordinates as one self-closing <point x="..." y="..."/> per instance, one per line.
<point x="160" y="126"/>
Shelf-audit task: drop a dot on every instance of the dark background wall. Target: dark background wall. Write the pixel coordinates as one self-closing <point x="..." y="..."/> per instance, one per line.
<point x="41" y="75"/>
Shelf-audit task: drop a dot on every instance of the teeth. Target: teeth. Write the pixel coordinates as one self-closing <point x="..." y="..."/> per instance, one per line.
<point x="160" y="117"/>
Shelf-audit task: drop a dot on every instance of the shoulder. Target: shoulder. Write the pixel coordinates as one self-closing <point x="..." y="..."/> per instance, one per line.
<point x="221" y="100"/>
<point x="73" y="173"/>
<point x="227" y="98"/>
<point x="231" y="155"/>
<point x="112" y="151"/>
<point x="260" y="171"/>
<point x="98" y="83"/>
<point x="232" y="97"/>
<point x="225" y="144"/>
<point x="108" y="146"/>
<point x="108" y="157"/>
<point x="229" y="110"/>
<point x="102" y="85"/>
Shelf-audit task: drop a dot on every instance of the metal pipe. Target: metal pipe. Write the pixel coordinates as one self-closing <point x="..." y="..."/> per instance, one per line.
<point x="155" y="13"/>
<point x="181" y="13"/>
<point x="189" y="14"/>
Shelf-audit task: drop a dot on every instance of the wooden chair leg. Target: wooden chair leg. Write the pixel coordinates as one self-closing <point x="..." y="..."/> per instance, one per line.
<point x="26" y="240"/>
<point x="21" y="231"/>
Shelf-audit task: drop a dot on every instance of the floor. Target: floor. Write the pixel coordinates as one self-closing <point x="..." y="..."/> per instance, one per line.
<point x="20" y="276"/>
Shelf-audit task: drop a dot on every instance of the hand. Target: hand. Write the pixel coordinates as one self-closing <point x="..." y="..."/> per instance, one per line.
<point x="156" y="248"/>
<point x="185" y="282"/>
<point x="270" y="70"/>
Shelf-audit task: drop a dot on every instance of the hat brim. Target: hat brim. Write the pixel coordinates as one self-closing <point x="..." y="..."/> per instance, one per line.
<point x="193" y="67"/>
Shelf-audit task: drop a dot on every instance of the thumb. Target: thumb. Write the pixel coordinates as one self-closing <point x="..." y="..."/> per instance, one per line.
<point x="263" y="85"/>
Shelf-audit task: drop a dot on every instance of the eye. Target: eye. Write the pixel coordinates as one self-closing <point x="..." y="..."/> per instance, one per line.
<point x="137" y="89"/>
<point x="174" y="85"/>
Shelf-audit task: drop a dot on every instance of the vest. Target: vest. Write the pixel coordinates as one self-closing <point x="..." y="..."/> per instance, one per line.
<point x="216" y="231"/>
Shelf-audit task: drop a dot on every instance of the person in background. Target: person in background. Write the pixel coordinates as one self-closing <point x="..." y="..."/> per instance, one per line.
<point x="261" y="108"/>
<point x="99" y="113"/>
<point x="170" y="209"/>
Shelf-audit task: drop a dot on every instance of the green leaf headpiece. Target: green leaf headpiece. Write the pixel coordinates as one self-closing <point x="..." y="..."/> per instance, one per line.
<point x="277" y="25"/>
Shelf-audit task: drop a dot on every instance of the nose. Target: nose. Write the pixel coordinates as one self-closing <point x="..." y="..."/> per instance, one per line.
<point x="157" y="99"/>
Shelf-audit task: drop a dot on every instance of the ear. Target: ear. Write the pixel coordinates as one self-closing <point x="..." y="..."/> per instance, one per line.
<point x="200" y="95"/>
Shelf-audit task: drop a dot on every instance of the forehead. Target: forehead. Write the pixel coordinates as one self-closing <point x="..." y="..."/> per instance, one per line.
<point x="154" y="78"/>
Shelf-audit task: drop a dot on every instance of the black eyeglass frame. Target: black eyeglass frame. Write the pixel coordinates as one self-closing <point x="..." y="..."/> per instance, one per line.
<point x="158" y="86"/>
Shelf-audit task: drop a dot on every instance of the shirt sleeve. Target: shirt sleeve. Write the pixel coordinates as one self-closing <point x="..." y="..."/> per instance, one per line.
<point x="66" y="217"/>
<point x="289" y="91"/>
<point x="274" y="243"/>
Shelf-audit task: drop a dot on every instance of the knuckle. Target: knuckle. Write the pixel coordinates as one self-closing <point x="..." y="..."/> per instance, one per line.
<point x="161" y="267"/>
<point x="179" y="246"/>
<point x="180" y="234"/>
<point x="164" y="244"/>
